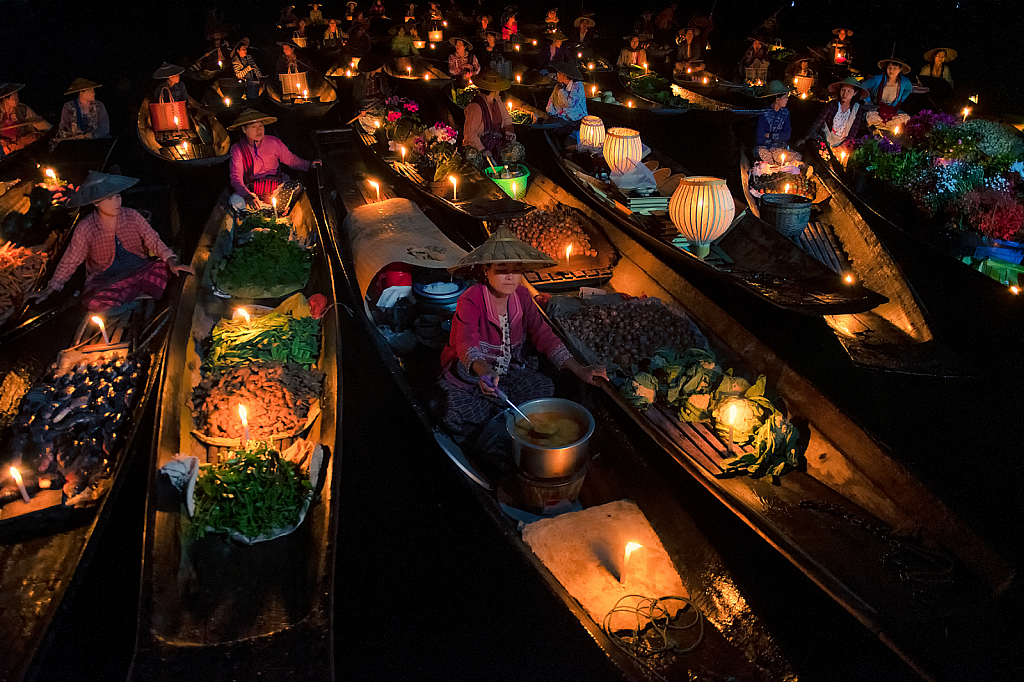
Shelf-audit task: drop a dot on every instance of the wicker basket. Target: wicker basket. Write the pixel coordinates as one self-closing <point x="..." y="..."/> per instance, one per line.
<point x="787" y="213"/>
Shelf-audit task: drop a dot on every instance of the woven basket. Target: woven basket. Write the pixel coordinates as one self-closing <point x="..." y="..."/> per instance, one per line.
<point x="787" y="213"/>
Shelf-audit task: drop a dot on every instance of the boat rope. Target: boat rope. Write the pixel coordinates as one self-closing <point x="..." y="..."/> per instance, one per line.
<point x="651" y="632"/>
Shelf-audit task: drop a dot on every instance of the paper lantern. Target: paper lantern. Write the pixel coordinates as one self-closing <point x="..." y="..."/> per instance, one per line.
<point x="435" y="36"/>
<point x="591" y="132"/>
<point x="702" y="209"/>
<point x="419" y="44"/>
<point x="622" y="149"/>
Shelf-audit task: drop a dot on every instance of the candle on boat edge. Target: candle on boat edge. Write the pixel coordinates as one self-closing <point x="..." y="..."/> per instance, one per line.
<point x="630" y="548"/>
<point x="374" y="184"/>
<point x="98" y="321"/>
<point x="568" y="252"/>
<point x="244" y="416"/>
<point x="455" y="187"/>
<point x="16" y="475"/>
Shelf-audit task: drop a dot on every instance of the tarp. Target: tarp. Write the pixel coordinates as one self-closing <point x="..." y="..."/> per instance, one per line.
<point x="396" y="231"/>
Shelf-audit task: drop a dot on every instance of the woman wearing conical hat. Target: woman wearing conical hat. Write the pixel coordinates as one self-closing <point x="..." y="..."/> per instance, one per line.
<point x="487" y="347"/>
<point x="114" y="243"/>
<point x="583" y="33"/>
<point x="887" y="92"/>
<point x="255" y="166"/>
<point x="246" y="69"/>
<point x="557" y="51"/>
<point x="169" y="81"/>
<point x="633" y="54"/>
<point x="773" y="126"/>
<point x="488" y="135"/>
<point x="19" y="125"/>
<point x="83" y="117"/>
<point x="840" y="120"/>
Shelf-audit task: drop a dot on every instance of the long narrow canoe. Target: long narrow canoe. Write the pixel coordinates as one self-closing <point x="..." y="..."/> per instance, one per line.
<point x="322" y="96"/>
<point x="204" y="142"/>
<point x="750" y="256"/>
<point x="214" y="608"/>
<point x="843" y="520"/>
<point x="650" y="105"/>
<point x="746" y="652"/>
<point x="894" y="336"/>
<point x="45" y="545"/>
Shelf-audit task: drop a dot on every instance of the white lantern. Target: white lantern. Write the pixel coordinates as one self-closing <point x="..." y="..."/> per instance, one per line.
<point x="435" y="36"/>
<point x="702" y="209"/>
<point x="622" y="149"/>
<point x="591" y="132"/>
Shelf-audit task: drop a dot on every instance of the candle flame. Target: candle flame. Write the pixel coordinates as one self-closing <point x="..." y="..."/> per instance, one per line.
<point x="568" y="251"/>
<point x="184" y="145"/>
<point x="50" y="174"/>
<point x="593" y="91"/>
<point x="730" y="416"/>
<point x="787" y="188"/>
<point x="175" y="120"/>
<point x="590" y="66"/>
<point x="273" y="201"/>
<point x="16" y="475"/>
<point x="227" y="101"/>
<point x="519" y="78"/>
<point x="220" y="63"/>
<point x="705" y="79"/>
<point x="517" y="48"/>
<point x="784" y="162"/>
<point x="842" y="156"/>
<point x="376" y="124"/>
<point x="849" y="278"/>
<point x="453" y="179"/>
<point x="510" y="107"/>
<point x="242" y="312"/>
<point x="409" y="69"/>
<point x="243" y="415"/>
<point x="402" y="149"/>
<point x="803" y="95"/>
<point x="796" y="81"/>
<point x="305" y="93"/>
<point x="348" y="73"/>
<point x="513" y="190"/>
<point x="426" y="76"/>
<point x="373" y="184"/>
<point x="444" y="23"/>
<point x="98" y="321"/>
<point x="896" y="130"/>
<point x="689" y="70"/>
<point x="1014" y="289"/>
<point x="629" y="104"/>
<point x="632" y="547"/>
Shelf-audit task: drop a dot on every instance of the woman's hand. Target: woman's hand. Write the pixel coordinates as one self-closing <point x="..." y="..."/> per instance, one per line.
<point x="588" y="374"/>
<point x="252" y="202"/>
<point x="39" y="296"/>
<point x="488" y="382"/>
<point x="177" y="268"/>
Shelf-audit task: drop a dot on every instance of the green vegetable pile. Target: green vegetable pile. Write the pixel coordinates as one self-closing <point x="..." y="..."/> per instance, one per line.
<point x="521" y="116"/>
<point x="657" y="89"/>
<point x="463" y="96"/>
<point x="258" y="222"/>
<point x="267" y="261"/>
<point x="692" y="384"/>
<point x="270" y="337"/>
<point x="251" y="492"/>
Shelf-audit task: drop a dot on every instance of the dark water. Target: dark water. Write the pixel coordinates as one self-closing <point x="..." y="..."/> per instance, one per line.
<point x="428" y="588"/>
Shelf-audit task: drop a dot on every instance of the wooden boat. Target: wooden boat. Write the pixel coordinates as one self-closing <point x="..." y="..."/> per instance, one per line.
<point x="204" y="143"/>
<point x="616" y="475"/>
<point x="45" y="545"/>
<point x="229" y="94"/>
<point x="205" y="69"/>
<point x="416" y="73"/>
<point x="650" y="105"/>
<point x="212" y="607"/>
<point x="38" y="144"/>
<point x="322" y="96"/>
<point x="719" y="95"/>
<point x="895" y="336"/>
<point x="834" y="520"/>
<point x="751" y="256"/>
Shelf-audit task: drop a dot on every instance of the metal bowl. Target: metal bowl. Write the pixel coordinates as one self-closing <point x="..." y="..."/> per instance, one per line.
<point x="541" y="462"/>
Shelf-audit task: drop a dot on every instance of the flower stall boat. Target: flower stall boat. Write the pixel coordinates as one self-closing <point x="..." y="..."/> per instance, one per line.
<point x="833" y="518"/>
<point x="213" y="606"/>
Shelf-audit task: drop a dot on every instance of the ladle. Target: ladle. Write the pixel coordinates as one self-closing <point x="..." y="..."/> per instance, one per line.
<point x="502" y="396"/>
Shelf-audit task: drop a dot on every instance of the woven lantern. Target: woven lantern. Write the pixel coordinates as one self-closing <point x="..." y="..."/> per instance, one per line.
<point x="622" y="149"/>
<point x="702" y="209"/>
<point x="435" y="36"/>
<point x="591" y="132"/>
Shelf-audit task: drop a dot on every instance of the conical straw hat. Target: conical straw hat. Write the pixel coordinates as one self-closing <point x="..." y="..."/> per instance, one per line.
<point x="251" y="116"/>
<point x="504" y="247"/>
<point x="98" y="186"/>
<point x="80" y="84"/>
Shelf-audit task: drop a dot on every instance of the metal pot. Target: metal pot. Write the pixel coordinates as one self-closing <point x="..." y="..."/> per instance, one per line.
<point x="541" y="462"/>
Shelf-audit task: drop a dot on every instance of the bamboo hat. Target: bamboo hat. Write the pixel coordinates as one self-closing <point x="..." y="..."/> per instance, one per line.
<point x="930" y="54"/>
<point x="504" y="247"/>
<point x="862" y="92"/>
<point x="371" y="62"/>
<point x="836" y="31"/>
<point x="8" y="89"/>
<point x="777" y="89"/>
<point x="244" y="42"/>
<point x="282" y="43"/>
<point x="683" y="29"/>
<point x="557" y="35"/>
<point x="99" y="186"/>
<point x="80" y="84"/>
<point x="454" y="40"/>
<point x="904" y="67"/>
<point x="489" y="79"/>
<point x="351" y="5"/>
<point x="570" y="70"/>
<point x="251" y="116"/>
<point x="579" y="20"/>
<point x="167" y="70"/>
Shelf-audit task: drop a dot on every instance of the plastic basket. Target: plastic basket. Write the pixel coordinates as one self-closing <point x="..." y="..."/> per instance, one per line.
<point x="520" y="181"/>
<point x="787" y="213"/>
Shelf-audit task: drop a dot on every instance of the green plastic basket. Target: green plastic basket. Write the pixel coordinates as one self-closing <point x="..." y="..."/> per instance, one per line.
<point x="505" y="184"/>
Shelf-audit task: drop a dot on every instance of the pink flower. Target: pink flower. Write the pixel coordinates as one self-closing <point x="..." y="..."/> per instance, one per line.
<point x="412" y="107"/>
<point x="394" y="115"/>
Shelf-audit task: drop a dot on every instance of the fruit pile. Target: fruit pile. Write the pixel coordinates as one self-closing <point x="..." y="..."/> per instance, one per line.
<point x="552" y="231"/>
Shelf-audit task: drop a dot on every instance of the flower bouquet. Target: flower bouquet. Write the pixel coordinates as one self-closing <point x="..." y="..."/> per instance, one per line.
<point x="435" y="152"/>
<point x="401" y="118"/>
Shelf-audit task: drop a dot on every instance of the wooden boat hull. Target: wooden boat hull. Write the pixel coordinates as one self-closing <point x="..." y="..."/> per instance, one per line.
<point x="217" y="609"/>
<point x="42" y="551"/>
<point x="754" y="258"/>
<point x="323" y="97"/>
<point x="416" y="74"/>
<point x="895" y="336"/>
<point x="649" y="105"/>
<point x="835" y="520"/>
<point x="231" y="90"/>
<point x="199" y="152"/>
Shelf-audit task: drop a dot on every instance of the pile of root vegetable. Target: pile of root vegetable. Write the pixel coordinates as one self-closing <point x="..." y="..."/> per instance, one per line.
<point x="552" y="231"/>
<point x="19" y="272"/>
<point x="277" y="396"/>
<point x="627" y="332"/>
<point x="776" y="183"/>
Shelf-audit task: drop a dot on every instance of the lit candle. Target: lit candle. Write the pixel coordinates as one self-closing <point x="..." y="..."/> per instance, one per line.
<point x="967" y="110"/>
<point x="273" y="202"/>
<point x="244" y="314"/>
<point x="517" y="47"/>
<point x="849" y="278"/>
<point x="51" y="174"/>
<point x="432" y="46"/>
<point x="629" y="104"/>
<point x="519" y="78"/>
<point x="689" y="70"/>
<point x="409" y="70"/>
<point x="796" y="81"/>
<point x="535" y="42"/>
<point x="98" y="321"/>
<point x="510" y="107"/>
<point x="803" y="95"/>
<point x="705" y="80"/>
<point x="630" y="548"/>
<point x="787" y="188"/>
<point x="783" y="157"/>
<point x="220" y="63"/>
<point x="184" y="146"/>
<point x="645" y="68"/>
<point x="348" y="73"/>
<point x="513" y="190"/>
<point x="426" y="76"/>
<point x="373" y="184"/>
<point x="578" y="54"/>
<point x="244" y="416"/>
<point x="455" y="187"/>
<point x="305" y="94"/>
<point x="730" y="418"/>
<point x="1014" y="289"/>
<point x="402" y="150"/>
<point x="16" y="475"/>
<point x="842" y="157"/>
<point x="590" y="66"/>
<point x="176" y="122"/>
<point x="227" y="101"/>
<point x="593" y="91"/>
<point x="444" y="23"/>
<point x="568" y="252"/>
<point x="376" y="124"/>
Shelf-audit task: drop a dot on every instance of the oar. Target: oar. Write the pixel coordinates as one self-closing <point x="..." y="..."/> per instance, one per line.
<point x="26" y="122"/>
<point x="353" y="119"/>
